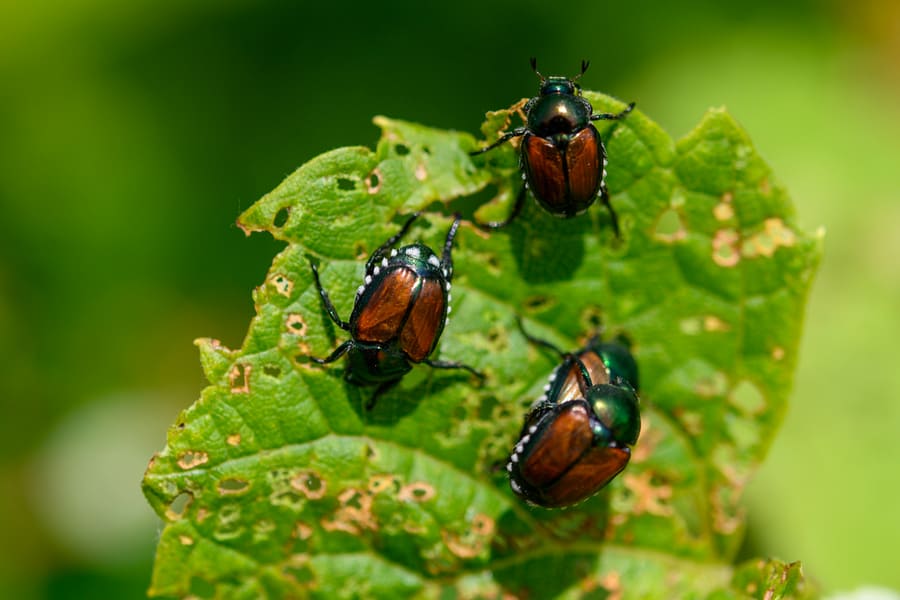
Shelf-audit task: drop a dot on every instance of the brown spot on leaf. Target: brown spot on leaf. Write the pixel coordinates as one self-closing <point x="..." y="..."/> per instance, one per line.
<point x="186" y="540"/>
<point x="418" y="491"/>
<point x="470" y="548"/>
<point x="648" y="498"/>
<point x="373" y="182"/>
<point x="483" y="525"/>
<point x="648" y="441"/>
<point x="191" y="459"/>
<point x="723" y="211"/>
<point x="234" y="439"/>
<point x="296" y="324"/>
<point x="310" y="485"/>
<point x="282" y="285"/>
<point x="302" y="531"/>
<point x="612" y="583"/>
<point x="725" y="248"/>
<point x="714" y="323"/>
<point x="421" y="172"/>
<point x="354" y="515"/>
<point x="778" y="353"/>
<point x="383" y="483"/>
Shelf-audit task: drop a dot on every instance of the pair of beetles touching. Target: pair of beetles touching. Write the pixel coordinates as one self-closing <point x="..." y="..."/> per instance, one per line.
<point x="578" y="435"/>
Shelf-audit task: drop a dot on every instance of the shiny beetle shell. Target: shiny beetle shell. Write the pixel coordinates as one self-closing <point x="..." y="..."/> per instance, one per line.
<point x="577" y="435"/>
<point x="564" y="171"/>
<point x="562" y="155"/>
<point x="558" y="462"/>
<point x="404" y="302"/>
<point x="399" y="313"/>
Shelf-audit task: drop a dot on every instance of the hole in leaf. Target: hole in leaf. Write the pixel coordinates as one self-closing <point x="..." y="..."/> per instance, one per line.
<point x="191" y="459"/>
<point x="346" y="184"/>
<point x="272" y="370"/>
<point x="482" y="525"/>
<point x="373" y="182"/>
<point x="416" y="492"/>
<point x="486" y="408"/>
<point x="281" y="217"/>
<point x="295" y="324"/>
<point x="282" y="285"/>
<point x="401" y="150"/>
<point x="497" y="338"/>
<point x="536" y="303"/>
<point x="353" y="499"/>
<point x="592" y="319"/>
<point x="233" y="485"/>
<point x="383" y="483"/>
<point x="426" y="149"/>
<point x="309" y="484"/>
<point x="669" y="227"/>
<point x="239" y="378"/>
<point x="179" y="506"/>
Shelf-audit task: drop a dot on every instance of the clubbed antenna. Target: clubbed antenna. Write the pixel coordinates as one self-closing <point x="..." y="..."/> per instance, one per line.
<point x="584" y="67"/>
<point x="534" y="68"/>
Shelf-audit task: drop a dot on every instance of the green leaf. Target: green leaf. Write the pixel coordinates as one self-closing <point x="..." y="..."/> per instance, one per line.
<point x="277" y="482"/>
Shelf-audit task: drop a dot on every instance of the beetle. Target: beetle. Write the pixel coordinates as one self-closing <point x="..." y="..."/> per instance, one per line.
<point x="562" y="157"/>
<point x="578" y="435"/>
<point x="398" y="315"/>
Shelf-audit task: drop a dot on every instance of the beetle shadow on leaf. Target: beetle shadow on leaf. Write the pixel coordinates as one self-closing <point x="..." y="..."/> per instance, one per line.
<point x="404" y="398"/>
<point x="547" y="248"/>
<point x="532" y="528"/>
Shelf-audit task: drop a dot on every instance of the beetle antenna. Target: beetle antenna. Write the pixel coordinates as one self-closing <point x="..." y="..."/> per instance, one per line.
<point x="534" y="68"/>
<point x="584" y="67"/>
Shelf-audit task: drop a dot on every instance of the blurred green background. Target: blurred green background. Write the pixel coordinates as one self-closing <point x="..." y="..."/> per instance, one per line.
<point x="133" y="134"/>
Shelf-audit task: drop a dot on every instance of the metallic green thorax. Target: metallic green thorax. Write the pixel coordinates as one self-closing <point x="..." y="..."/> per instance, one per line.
<point x="618" y="359"/>
<point x="617" y="409"/>
<point x="557" y="113"/>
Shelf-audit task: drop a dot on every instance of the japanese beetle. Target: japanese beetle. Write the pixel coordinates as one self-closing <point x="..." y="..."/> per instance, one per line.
<point x="562" y="156"/>
<point x="398" y="315"/>
<point x="577" y="437"/>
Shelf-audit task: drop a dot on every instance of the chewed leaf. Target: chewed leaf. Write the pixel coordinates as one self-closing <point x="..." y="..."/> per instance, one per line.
<point x="278" y="483"/>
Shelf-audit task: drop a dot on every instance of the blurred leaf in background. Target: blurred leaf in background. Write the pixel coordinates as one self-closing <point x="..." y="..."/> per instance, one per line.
<point x="132" y="135"/>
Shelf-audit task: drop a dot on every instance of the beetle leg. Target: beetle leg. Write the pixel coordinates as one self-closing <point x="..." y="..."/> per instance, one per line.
<point x="446" y="257"/>
<point x="329" y="307"/>
<point x="338" y="352"/>
<point x="379" y="392"/>
<point x="604" y="198"/>
<point x="518" y="131"/>
<point x="452" y="364"/>
<point x="612" y="116"/>
<point x="377" y="255"/>
<point x="517" y="208"/>
<point x="538" y="341"/>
